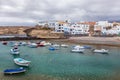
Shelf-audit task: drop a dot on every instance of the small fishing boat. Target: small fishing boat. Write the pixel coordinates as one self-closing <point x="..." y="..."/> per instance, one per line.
<point x="100" y="51"/>
<point x="78" y="46"/>
<point x="47" y="44"/>
<point x="64" y="45"/>
<point x="52" y="48"/>
<point x="40" y="45"/>
<point x="32" y="45"/>
<point x="14" y="51"/>
<point x="78" y="49"/>
<point x="22" y="62"/>
<point x="4" y="42"/>
<point x="56" y="45"/>
<point x="17" y="44"/>
<point x="22" y="43"/>
<point x="14" y="71"/>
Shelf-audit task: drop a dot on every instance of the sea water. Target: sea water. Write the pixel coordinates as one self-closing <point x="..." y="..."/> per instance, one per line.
<point x="62" y="64"/>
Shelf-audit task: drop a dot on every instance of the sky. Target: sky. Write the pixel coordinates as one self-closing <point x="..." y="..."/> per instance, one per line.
<point x="29" y="12"/>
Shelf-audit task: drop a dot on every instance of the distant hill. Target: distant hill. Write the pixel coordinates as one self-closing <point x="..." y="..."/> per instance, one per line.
<point x="13" y="29"/>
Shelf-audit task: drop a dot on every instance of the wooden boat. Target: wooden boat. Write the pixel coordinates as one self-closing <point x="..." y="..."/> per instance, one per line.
<point x="14" y="71"/>
<point x="22" y="62"/>
<point x="100" y="51"/>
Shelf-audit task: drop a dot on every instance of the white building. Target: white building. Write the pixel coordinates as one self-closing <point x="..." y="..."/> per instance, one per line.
<point x="102" y="26"/>
<point x="62" y="26"/>
<point x="67" y="27"/>
<point x="79" y="28"/>
<point x="107" y="28"/>
<point x="114" y="30"/>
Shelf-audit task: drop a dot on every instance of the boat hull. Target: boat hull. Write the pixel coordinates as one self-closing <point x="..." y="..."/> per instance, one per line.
<point x="100" y="51"/>
<point x="14" y="52"/>
<point x="22" y="63"/>
<point x="14" y="71"/>
<point x="77" y="51"/>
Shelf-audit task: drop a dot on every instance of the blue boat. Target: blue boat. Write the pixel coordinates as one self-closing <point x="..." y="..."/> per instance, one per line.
<point x="87" y="47"/>
<point x="52" y="48"/>
<point x="14" y="71"/>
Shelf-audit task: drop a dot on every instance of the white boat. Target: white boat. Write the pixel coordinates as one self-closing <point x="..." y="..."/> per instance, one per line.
<point x="77" y="46"/>
<point x="64" y="45"/>
<point x="22" y="62"/>
<point x="23" y="43"/>
<point x="32" y="45"/>
<point x="14" y="51"/>
<point x="47" y="44"/>
<point x="78" y="49"/>
<point x="100" y="51"/>
<point x="16" y="44"/>
<point x="56" y="45"/>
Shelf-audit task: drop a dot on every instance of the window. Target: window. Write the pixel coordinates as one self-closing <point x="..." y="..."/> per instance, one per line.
<point x="70" y="29"/>
<point x="59" y="24"/>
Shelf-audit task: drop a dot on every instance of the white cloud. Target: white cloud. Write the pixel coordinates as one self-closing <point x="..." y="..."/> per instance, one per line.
<point x="16" y="20"/>
<point x="7" y="8"/>
<point x="29" y="11"/>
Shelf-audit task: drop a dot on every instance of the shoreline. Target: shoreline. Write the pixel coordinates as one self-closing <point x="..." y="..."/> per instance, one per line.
<point x="106" y="41"/>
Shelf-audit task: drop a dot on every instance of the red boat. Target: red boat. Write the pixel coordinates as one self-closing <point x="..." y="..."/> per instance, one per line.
<point x="41" y="45"/>
<point x="4" y="43"/>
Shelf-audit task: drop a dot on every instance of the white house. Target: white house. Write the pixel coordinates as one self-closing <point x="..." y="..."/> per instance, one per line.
<point x="79" y="28"/>
<point x="102" y="26"/>
<point x="67" y="27"/>
<point x="62" y="26"/>
<point x="114" y="30"/>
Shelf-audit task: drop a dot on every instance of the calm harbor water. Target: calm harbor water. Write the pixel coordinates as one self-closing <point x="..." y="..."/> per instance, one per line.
<point x="62" y="64"/>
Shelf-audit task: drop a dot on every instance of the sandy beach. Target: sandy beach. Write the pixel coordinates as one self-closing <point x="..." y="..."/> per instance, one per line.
<point x="110" y="41"/>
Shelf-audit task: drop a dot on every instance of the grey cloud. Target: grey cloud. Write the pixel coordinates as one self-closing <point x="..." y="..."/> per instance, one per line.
<point x="88" y="10"/>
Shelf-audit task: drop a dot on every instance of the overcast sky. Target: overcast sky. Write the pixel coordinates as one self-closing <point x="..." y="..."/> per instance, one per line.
<point x="28" y="12"/>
